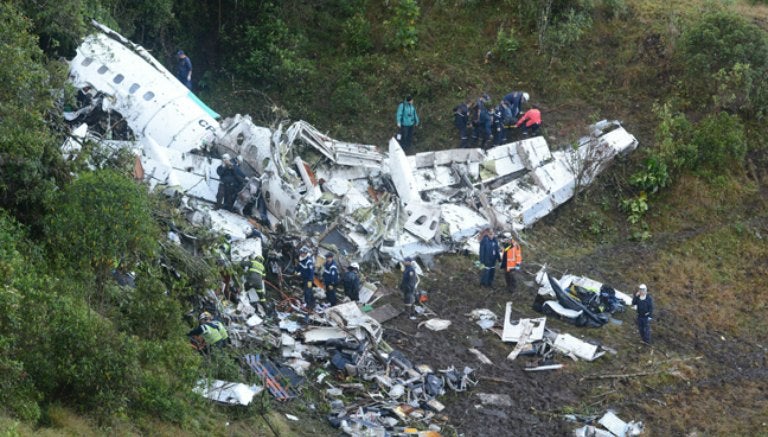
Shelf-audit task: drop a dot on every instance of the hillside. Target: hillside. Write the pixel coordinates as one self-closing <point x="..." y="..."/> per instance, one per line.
<point x="686" y="214"/>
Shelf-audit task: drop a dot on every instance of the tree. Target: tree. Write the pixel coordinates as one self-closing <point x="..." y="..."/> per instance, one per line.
<point x="30" y="163"/>
<point x="101" y="220"/>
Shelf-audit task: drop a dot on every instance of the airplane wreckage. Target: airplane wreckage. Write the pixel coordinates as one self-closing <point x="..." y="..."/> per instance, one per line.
<point x="370" y="205"/>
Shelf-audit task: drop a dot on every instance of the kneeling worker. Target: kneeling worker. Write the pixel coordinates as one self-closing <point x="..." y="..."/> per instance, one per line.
<point x="213" y="331"/>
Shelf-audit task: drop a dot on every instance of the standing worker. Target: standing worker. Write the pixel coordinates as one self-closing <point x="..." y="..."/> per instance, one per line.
<point x="254" y="276"/>
<point x="352" y="282"/>
<point x="307" y="272"/>
<point x="511" y="260"/>
<point x="212" y="331"/>
<point x="406" y="119"/>
<point x="530" y="120"/>
<point x="481" y="123"/>
<point x="461" y="121"/>
<point x="184" y="69"/>
<point x="231" y="180"/>
<point x="330" y="278"/>
<point x="644" y="304"/>
<point x="408" y="286"/>
<point x="489" y="256"/>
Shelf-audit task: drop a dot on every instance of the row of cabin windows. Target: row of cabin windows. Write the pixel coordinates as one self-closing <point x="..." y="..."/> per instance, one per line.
<point x="149" y="95"/>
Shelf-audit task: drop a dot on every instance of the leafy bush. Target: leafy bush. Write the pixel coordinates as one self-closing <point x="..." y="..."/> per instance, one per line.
<point x="101" y="219"/>
<point x="721" y="143"/>
<point x="265" y="49"/>
<point x="402" y="25"/>
<point x="567" y="30"/>
<point x="506" y="45"/>
<point x="724" y="49"/>
<point x="357" y="34"/>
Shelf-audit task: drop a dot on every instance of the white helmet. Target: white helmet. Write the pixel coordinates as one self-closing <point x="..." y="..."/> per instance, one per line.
<point x="355" y="266"/>
<point x="642" y="287"/>
<point x="247" y="230"/>
<point x="526" y="97"/>
<point x="225" y="157"/>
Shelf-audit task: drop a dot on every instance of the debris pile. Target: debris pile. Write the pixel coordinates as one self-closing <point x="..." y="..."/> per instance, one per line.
<point x="578" y="300"/>
<point x="370" y="204"/>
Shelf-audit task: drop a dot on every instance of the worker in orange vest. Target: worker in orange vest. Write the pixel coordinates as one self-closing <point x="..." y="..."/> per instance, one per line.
<point x="510" y="261"/>
<point x="531" y="120"/>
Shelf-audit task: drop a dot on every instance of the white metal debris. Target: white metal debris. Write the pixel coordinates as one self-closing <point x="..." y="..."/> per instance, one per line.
<point x="436" y="324"/>
<point x="618" y="427"/>
<point x="230" y="393"/>
<point x="575" y="348"/>
<point x="513" y="330"/>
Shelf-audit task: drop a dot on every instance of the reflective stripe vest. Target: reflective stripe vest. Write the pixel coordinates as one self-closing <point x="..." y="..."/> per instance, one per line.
<point x="256" y="267"/>
<point x="514" y="256"/>
<point x="214" y="332"/>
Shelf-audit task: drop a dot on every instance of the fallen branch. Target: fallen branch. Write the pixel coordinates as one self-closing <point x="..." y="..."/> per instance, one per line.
<point x="619" y="376"/>
<point x="492" y="379"/>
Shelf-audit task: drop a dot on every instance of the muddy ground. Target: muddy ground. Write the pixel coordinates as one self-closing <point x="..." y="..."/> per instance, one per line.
<point x="684" y="366"/>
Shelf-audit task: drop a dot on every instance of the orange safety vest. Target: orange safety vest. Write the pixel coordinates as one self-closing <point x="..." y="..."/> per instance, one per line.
<point x="514" y="256"/>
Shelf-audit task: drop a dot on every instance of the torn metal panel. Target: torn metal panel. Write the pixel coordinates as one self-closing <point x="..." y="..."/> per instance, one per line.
<point x="569" y="344"/>
<point x="323" y="334"/>
<point x="402" y="174"/>
<point x="461" y="221"/>
<point x="513" y="330"/>
<point x="423" y="220"/>
<point x="501" y="161"/>
<point x="349" y="316"/>
<point x="557" y="180"/>
<point x="618" y="427"/>
<point x="230" y="393"/>
<point x="533" y="152"/>
<point x="385" y="313"/>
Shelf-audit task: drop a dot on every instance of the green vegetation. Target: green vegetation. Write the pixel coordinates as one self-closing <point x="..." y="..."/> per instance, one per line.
<point x="689" y="204"/>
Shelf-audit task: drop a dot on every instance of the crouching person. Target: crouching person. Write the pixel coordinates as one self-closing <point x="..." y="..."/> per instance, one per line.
<point x="213" y="332"/>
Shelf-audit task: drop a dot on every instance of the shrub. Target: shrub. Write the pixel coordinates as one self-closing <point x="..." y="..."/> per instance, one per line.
<point x="356" y="32"/>
<point x="721" y="143"/>
<point x="506" y="45"/>
<point x="101" y="219"/>
<point x="724" y="49"/>
<point x="402" y="25"/>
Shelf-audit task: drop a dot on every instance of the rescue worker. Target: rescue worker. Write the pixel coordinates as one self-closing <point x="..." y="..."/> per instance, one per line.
<point x="530" y="120"/>
<point x="406" y="118"/>
<point x="489" y="256"/>
<point x="254" y="276"/>
<point x="481" y="123"/>
<point x="510" y="261"/>
<point x="231" y="180"/>
<point x="644" y="303"/>
<point x="515" y="99"/>
<point x="184" y="69"/>
<point x="307" y="272"/>
<point x="352" y="282"/>
<point x="212" y="331"/>
<point x="408" y="286"/>
<point x="497" y="126"/>
<point x="330" y="278"/>
<point x="461" y="121"/>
